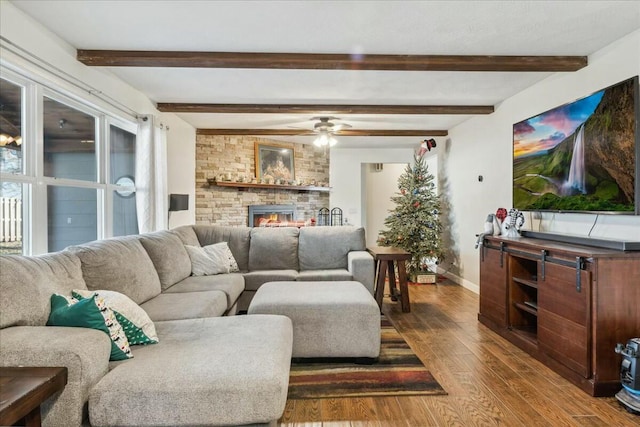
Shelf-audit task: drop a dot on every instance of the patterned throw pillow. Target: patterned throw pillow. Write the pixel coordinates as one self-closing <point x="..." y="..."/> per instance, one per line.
<point x="203" y="264"/>
<point x="137" y="325"/>
<point x="211" y="259"/>
<point x="220" y="251"/>
<point x="90" y="313"/>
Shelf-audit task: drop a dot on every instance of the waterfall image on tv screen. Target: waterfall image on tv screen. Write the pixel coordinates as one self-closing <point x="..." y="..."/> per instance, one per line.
<point x="579" y="156"/>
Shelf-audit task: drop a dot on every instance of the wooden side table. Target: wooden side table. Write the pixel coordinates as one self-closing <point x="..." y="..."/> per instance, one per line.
<point x="24" y="389"/>
<point x="385" y="257"/>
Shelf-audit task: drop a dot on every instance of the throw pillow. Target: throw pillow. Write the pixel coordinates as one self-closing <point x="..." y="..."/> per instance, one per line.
<point x="204" y="263"/>
<point x="212" y="259"/>
<point x="90" y="313"/>
<point x="222" y="253"/>
<point x="137" y="325"/>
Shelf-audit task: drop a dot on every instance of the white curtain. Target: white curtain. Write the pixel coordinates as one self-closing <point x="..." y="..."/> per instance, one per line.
<point x="151" y="175"/>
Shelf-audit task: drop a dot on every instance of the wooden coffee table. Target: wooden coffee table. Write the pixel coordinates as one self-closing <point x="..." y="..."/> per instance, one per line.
<point x="24" y="389"/>
<point x="385" y="257"/>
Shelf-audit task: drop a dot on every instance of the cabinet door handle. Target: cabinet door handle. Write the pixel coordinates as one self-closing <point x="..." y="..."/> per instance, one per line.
<point x="501" y="254"/>
<point x="579" y="265"/>
<point x="543" y="259"/>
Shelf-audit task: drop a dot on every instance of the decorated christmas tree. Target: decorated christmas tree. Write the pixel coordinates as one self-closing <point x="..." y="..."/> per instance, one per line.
<point x="414" y="224"/>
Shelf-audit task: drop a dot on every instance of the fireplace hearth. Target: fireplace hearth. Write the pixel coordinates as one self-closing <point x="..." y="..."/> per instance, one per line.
<point x="274" y="214"/>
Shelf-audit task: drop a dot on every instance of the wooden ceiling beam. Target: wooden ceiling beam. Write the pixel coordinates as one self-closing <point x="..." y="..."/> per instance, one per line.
<point x="344" y="132"/>
<point x="169" y="107"/>
<point x="328" y="61"/>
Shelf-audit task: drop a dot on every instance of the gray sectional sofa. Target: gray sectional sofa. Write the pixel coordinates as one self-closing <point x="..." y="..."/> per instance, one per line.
<point x="209" y="367"/>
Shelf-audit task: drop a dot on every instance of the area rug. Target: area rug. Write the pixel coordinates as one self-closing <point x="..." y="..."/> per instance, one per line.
<point x="398" y="372"/>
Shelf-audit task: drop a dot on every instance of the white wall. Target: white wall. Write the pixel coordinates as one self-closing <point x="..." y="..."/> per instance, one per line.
<point x="483" y="146"/>
<point x="27" y="34"/>
<point x="346" y="177"/>
<point x="379" y="187"/>
<point x="181" y="164"/>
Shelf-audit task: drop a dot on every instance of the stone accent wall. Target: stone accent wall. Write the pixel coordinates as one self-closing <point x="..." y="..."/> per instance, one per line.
<point x="221" y="154"/>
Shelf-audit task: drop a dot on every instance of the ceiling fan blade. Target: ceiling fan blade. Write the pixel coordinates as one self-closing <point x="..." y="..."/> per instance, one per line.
<point x="340" y="126"/>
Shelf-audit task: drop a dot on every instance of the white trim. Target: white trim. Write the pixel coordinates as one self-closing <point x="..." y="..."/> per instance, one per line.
<point x="11" y="177"/>
<point x="459" y="280"/>
<point x="39" y="219"/>
<point x="101" y="214"/>
<point x="65" y="182"/>
<point x="27" y="219"/>
<point x="103" y="147"/>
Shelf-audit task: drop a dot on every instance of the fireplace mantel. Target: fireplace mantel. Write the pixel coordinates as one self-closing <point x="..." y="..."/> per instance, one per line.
<point x="243" y="186"/>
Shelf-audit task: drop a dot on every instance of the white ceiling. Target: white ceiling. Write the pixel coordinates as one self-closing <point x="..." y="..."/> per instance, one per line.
<point x="354" y="27"/>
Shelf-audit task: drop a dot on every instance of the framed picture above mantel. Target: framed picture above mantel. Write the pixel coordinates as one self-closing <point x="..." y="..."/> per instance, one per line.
<point x="274" y="163"/>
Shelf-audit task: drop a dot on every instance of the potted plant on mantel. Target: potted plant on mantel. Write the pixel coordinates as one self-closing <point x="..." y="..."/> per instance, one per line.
<point x="414" y="224"/>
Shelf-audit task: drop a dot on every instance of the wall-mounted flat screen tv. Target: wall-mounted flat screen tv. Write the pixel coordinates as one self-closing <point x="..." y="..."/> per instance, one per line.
<point x="583" y="156"/>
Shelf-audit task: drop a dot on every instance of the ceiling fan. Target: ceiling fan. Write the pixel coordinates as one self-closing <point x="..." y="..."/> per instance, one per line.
<point x="326" y="130"/>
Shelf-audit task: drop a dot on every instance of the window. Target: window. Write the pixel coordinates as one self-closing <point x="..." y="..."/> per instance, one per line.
<point x="67" y="170"/>
<point x="122" y="160"/>
<point x="12" y="166"/>
<point x="72" y="216"/>
<point x="69" y="142"/>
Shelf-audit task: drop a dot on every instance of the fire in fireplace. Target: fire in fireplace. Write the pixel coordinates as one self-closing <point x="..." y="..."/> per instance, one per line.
<point x="271" y="214"/>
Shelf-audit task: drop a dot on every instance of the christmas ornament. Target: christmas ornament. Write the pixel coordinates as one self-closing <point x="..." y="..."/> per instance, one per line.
<point x="425" y="146"/>
<point x="501" y="214"/>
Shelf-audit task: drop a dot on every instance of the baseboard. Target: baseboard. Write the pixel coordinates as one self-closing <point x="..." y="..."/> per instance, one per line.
<point x="459" y="280"/>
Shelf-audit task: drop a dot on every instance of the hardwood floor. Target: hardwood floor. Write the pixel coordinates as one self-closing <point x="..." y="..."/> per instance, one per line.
<point x="489" y="381"/>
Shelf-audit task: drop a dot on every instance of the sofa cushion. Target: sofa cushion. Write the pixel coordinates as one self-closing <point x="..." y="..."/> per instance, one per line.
<point x="186" y="305"/>
<point x="186" y="234"/>
<point x="322" y="248"/>
<point x="274" y="249"/>
<point x="168" y="255"/>
<point x="238" y="239"/>
<point x="136" y="323"/>
<point x="217" y="371"/>
<point x="337" y="275"/>
<point x="120" y="264"/>
<point x="27" y="283"/>
<point x="231" y="284"/>
<point x="254" y="279"/>
<point x="91" y="313"/>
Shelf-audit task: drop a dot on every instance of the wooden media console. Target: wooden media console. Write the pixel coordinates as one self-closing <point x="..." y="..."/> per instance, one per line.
<point x="565" y="304"/>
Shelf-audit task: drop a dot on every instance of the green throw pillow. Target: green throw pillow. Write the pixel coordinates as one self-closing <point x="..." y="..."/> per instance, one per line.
<point x="136" y="323"/>
<point x="94" y="314"/>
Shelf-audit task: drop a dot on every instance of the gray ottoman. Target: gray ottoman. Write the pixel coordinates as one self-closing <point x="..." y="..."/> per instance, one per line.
<point x="330" y="319"/>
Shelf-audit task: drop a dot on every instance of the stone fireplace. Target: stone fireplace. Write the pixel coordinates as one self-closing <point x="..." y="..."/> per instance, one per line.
<point x="235" y="155"/>
<point x="273" y="213"/>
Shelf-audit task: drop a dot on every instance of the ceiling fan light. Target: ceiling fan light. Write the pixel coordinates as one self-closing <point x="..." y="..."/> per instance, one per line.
<point x="322" y="140"/>
<point x="332" y="141"/>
